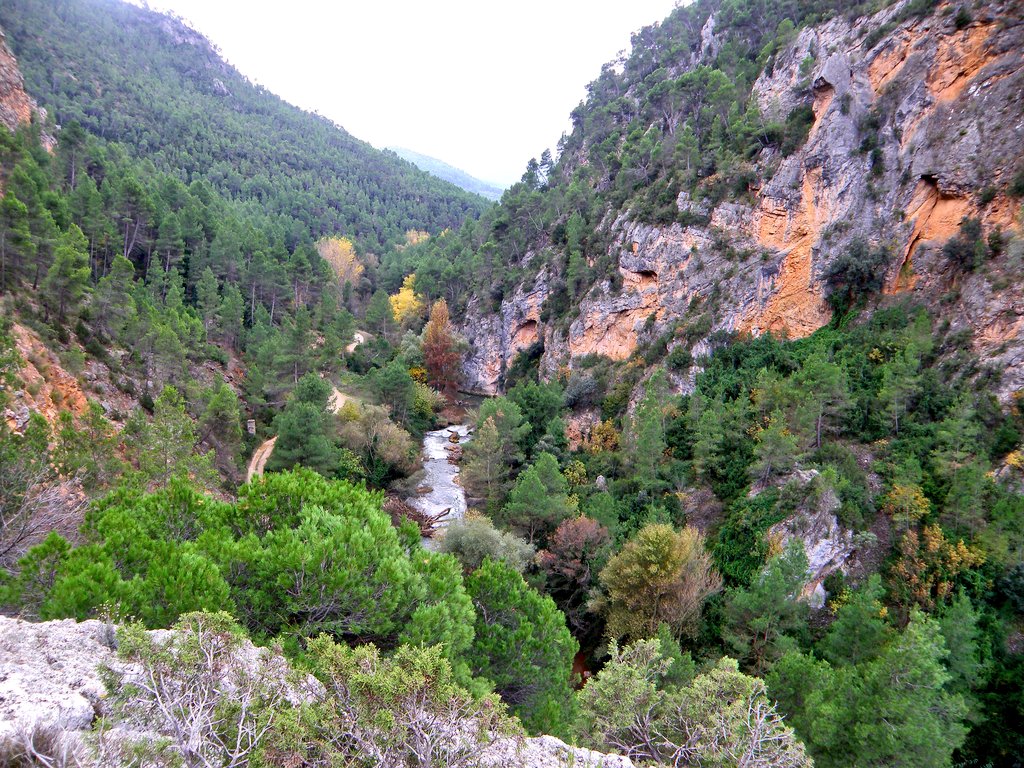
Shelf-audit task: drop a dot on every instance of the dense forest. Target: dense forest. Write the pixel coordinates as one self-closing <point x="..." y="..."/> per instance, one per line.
<point x="199" y="255"/>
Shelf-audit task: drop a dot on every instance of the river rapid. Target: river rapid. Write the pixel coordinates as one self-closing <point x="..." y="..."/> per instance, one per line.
<point x="441" y="477"/>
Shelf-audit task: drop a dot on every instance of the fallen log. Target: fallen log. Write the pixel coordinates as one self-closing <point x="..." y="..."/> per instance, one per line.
<point x="400" y="510"/>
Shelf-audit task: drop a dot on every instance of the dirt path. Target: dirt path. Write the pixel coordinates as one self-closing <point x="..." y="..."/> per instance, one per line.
<point x="259" y="459"/>
<point x="359" y="337"/>
<point x="335" y="404"/>
<point x="338" y="400"/>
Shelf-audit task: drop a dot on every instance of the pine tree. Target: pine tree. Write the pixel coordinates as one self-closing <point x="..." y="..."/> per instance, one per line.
<point x="221" y="425"/>
<point x="295" y="357"/>
<point x="16" y="243"/>
<point x="860" y="631"/>
<point x="521" y="644"/>
<point x="380" y="319"/>
<point x="302" y="437"/>
<point x="485" y="472"/>
<point x="68" y="278"/>
<point x="776" y="449"/>
<point x="165" y="446"/>
<point x="647" y="433"/>
<point x="823" y="395"/>
<point x="899" y="385"/>
<point x="894" y="710"/>
<point x="539" y="500"/>
<point x="757" y="618"/>
<point x="231" y="316"/>
<point x="88" y="450"/>
<point x="113" y="303"/>
<point x="208" y="298"/>
<point x="396" y="389"/>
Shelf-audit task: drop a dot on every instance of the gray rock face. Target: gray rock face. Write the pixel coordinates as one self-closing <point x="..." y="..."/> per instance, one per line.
<point x="49" y="673"/>
<point x="547" y="752"/>
<point x="827" y="544"/>
<point x="496" y="338"/>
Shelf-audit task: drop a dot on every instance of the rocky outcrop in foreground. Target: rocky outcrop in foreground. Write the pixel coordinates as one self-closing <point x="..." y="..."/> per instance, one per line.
<point x="52" y="681"/>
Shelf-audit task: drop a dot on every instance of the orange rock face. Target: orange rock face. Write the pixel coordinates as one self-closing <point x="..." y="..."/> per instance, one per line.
<point x="822" y="101"/>
<point x="48" y="388"/>
<point x="935" y="217"/>
<point x="795" y="307"/>
<point x="613" y="335"/>
<point x="888" y="64"/>
<point x="959" y="59"/>
<point x="612" y="331"/>
<point x="15" y="105"/>
<point x="525" y="335"/>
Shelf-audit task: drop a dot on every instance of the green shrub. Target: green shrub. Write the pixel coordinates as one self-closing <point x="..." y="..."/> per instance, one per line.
<point x="741" y="549"/>
<point x="679" y="359"/>
<point x="855" y="274"/>
<point x="798" y="126"/>
<point x="966" y="250"/>
<point x="1017" y="183"/>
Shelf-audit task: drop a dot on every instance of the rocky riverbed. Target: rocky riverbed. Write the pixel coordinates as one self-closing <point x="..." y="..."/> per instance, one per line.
<point x="441" y="494"/>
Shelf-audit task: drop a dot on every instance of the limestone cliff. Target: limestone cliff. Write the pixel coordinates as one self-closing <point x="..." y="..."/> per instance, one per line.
<point x="911" y="131"/>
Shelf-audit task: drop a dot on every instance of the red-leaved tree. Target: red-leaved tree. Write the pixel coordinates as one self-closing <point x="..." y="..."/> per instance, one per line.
<point x="440" y="352"/>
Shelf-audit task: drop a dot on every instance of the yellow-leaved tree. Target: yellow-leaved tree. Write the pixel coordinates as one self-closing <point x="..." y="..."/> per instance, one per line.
<point x="405" y="304"/>
<point x="341" y="255"/>
<point x="415" y="237"/>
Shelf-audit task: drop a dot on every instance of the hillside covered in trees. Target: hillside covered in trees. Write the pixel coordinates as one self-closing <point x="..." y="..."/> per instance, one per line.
<point x="746" y="488"/>
<point x="161" y="91"/>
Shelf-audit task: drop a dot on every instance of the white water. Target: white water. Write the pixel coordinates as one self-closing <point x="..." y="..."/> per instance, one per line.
<point x="440" y="476"/>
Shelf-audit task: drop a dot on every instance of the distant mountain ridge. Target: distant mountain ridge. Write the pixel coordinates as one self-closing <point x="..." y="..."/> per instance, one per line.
<point x="450" y="173"/>
<point x="162" y="91"/>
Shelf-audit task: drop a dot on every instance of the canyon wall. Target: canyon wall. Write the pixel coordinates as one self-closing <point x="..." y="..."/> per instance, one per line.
<point x="943" y="103"/>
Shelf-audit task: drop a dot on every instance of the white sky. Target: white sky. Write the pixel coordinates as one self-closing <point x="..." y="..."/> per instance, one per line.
<point x="482" y="85"/>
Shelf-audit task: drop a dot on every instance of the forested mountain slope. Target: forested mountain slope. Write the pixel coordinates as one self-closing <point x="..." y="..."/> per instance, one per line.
<point x="149" y="82"/>
<point x="769" y="287"/>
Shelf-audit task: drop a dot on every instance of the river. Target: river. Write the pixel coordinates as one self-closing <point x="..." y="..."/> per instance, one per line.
<point x="440" y="477"/>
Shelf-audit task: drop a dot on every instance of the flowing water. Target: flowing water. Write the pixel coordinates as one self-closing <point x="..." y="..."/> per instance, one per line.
<point x="445" y="494"/>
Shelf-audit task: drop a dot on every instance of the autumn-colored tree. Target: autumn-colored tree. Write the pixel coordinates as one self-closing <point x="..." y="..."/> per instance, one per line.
<point x="439" y="351"/>
<point x="660" y="576"/>
<point x="927" y="567"/>
<point x="415" y="237"/>
<point x="906" y="505"/>
<point x="340" y="254"/>
<point x="575" y="554"/>
<point x="406" y="305"/>
<point x="603" y="437"/>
